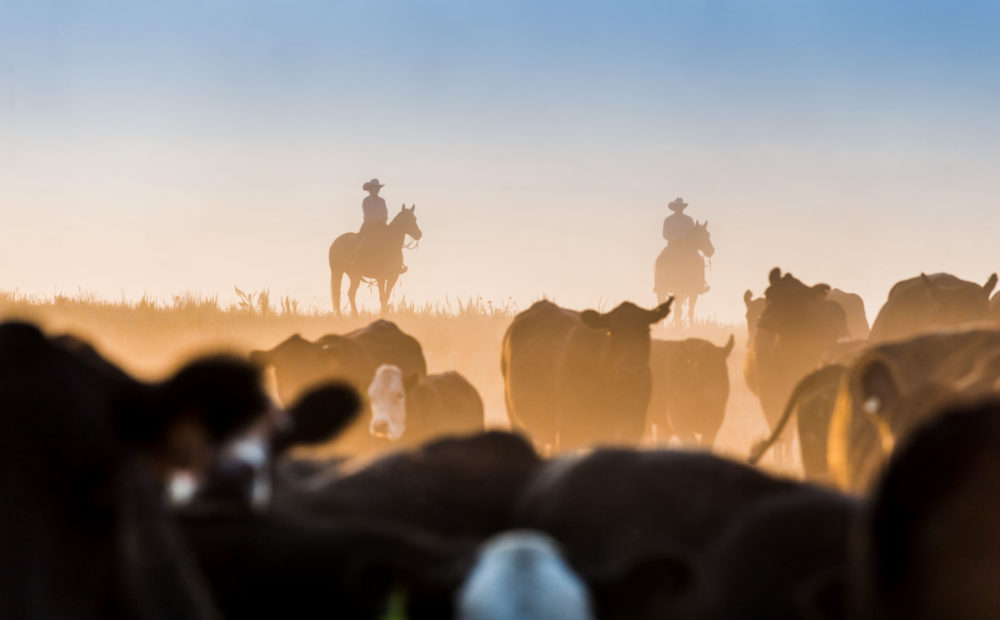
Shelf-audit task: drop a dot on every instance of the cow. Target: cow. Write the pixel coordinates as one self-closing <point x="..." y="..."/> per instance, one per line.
<point x="795" y="330"/>
<point x="690" y="390"/>
<point x="521" y="575"/>
<point x="85" y="454"/>
<point x="812" y="401"/>
<point x="852" y="304"/>
<point x="892" y="387"/>
<point x="573" y="378"/>
<point x="784" y="558"/>
<point x="666" y="508"/>
<point x="854" y="314"/>
<point x="928" y="301"/>
<point x="460" y="487"/>
<point x="929" y="545"/>
<point x="353" y="358"/>
<point x="412" y="410"/>
<point x="272" y="565"/>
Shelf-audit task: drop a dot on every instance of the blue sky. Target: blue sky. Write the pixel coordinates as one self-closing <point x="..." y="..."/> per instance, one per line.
<point x="164" y="147"/>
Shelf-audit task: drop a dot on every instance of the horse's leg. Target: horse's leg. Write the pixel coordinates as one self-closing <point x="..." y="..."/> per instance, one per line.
<point x="353" y="291"/>
<point x="691" y="302"/>
<point x="385" y="290"/>
<point x="336" y="278"/>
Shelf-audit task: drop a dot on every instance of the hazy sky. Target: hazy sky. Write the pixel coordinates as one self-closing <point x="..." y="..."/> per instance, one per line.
<point x="165" y="147"/>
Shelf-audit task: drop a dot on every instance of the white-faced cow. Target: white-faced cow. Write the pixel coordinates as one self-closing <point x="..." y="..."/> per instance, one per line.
<point x="411" y="410"/>
<point x="574" y="378"/>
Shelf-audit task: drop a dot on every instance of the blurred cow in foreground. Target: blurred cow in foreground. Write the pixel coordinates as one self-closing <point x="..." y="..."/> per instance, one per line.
<point x="930" y="547"/>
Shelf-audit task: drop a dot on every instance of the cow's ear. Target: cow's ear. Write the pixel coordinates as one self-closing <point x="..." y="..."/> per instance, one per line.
<point x="594" y="319"/>
<point x="660" y="312"/>
<point x="747" y="298"/>
<point x="260" y="359"/>
<point x="318" y="416"/>
<point x="775" y="276"/>
<point x="990" y="284"/>
<point x="875" y="385"/>
<point x="729" y="345"/>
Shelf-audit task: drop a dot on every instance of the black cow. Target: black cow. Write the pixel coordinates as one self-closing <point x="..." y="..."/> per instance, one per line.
<point x="690" y="390"/>
<point x="461" y="487"/>
<point x="931" y="546"/>
<point x="573" y="378"/>
<point x="273" y="566"/>
<point x="85" y="451"/>
<point x="299" y="364"/>
<point x="785" y="558"/>
<point x="657" y="511"/>
<point x="796" y="328"/>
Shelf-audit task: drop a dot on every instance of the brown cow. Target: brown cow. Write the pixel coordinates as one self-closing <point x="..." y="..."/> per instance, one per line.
<point x="894" y="386"/>
<point x="927" y="301"/>
<point x="573" y="378"/>
<point x="795" y="330"/>
<point x="690" y="389"/>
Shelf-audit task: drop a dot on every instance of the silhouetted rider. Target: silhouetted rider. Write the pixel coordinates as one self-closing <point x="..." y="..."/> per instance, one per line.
<point x="376" y="217"/>
<point x="677" y="225"/>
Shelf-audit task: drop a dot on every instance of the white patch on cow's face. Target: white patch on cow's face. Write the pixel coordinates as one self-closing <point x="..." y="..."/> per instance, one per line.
<point x="253" y="450"/>
<point x="387" y="397"/>
<point x="181" y="487"/>
<point x="521" y="575"/>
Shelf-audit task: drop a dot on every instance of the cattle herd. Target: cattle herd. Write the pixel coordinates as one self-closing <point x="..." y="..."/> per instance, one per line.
<point x="201" y="496"/>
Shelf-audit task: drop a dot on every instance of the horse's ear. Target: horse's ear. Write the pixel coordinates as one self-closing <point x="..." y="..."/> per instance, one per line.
<point x="705" y="224"/>
<point x="413" y="208"/>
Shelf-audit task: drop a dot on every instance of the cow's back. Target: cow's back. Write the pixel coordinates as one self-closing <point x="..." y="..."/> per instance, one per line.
<point x="911" y="307"/>
<point x="386" y="343"/>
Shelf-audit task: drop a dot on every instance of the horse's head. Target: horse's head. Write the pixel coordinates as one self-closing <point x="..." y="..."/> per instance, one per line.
<point x="701" y="239"/>
<point x="406" y="222"/>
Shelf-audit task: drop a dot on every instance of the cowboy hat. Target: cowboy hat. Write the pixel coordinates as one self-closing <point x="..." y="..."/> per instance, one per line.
<point x="678" y="204"/>
<point x="370" y="184"/>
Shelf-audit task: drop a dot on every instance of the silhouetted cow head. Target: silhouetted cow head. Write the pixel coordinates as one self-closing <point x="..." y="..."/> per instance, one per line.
<point x="628" y="329"/>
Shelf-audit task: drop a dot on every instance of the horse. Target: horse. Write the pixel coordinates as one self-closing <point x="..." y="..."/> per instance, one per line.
<point x="680" y="270"/>
<point x="381" y="259"/>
